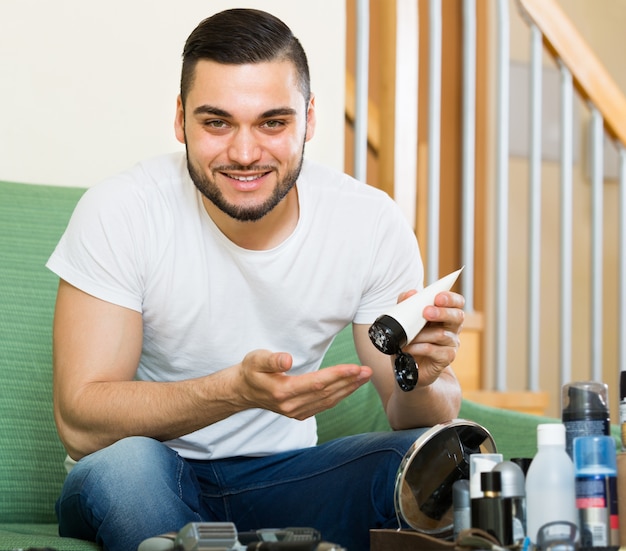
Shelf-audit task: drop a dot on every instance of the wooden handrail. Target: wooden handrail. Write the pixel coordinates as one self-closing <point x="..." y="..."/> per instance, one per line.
<point x="592" y="80"/>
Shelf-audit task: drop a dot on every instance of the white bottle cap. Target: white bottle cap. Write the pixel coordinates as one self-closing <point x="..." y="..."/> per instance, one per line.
<point x="551" y="434"/>
<point x="480" y="463"/>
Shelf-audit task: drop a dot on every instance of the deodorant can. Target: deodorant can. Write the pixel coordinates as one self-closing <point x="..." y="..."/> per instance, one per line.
<point x="490" y="512"/>
<point x="585" y="411"/>
<point x="461" y="507"/>
<point x="512" y="489"/>
<point x="596" y="490"/>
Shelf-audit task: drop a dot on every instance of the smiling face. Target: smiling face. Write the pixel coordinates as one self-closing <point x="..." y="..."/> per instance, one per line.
<point x="244" y="127"/>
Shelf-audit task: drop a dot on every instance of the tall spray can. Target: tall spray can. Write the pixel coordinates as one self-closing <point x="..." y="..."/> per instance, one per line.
<point x="596" y="490"/>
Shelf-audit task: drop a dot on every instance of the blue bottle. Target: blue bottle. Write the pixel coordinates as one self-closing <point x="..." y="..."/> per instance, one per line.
<point x="596" y="490"/>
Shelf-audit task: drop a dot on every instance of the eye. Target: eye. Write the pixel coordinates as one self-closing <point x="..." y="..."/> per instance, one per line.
<point x="273" y="124"/>
<point x="215" y="123"/>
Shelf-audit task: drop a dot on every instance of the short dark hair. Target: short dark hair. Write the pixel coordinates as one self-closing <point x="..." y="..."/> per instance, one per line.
<point x="240" y="36"/>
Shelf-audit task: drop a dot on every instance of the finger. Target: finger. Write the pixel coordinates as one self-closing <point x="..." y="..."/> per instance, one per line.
<point x="443" y="338"/>
<point x="436" y="344"/>
<point x="406" y="294"/>
<point x="450" y="317"/>
<point x="269" y="362"/>
<point x="283" y="361"/>
<point x="331" y="379"/>
<point x="449" y="299"/>
<point x="430" y="340"/>
<point x="324" y="389"/>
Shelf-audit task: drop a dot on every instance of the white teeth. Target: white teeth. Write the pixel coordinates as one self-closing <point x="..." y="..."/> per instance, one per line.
<point x="245" y="178"/>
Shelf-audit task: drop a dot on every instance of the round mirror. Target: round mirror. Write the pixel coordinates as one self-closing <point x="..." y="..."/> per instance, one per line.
<point x="435" y="461"/>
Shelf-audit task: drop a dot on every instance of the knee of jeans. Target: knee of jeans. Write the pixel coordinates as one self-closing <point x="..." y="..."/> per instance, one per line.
<point x="137" y="449"/>
<point x="134" y="458"/>
<point x="131" y="483"/>
<point x="125" y="469"/>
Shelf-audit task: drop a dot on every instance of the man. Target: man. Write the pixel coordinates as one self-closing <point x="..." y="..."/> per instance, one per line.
<point x="198" y="295"/>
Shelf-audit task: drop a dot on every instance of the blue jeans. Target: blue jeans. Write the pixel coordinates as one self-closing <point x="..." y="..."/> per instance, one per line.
<point x="138" y="488"/>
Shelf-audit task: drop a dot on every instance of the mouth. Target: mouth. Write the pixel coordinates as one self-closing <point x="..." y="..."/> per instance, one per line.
<point x="249" y="178"/>
<point x="246" y="181"/>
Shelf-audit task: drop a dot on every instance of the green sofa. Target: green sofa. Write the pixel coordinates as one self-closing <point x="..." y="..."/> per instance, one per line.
<point x="32" y="218"/>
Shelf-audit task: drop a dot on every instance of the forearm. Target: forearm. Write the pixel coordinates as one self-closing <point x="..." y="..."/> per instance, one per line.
<point x="425" y="406"/>
<point x="101" y="413"/>
<point x="96" y="414"/>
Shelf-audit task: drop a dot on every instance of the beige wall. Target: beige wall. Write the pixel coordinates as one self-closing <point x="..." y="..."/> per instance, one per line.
<point x="89" y="88"/>
<point x="602" y="24"/>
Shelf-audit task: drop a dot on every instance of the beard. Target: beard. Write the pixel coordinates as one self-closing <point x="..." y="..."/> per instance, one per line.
<point x="243" y="213"/>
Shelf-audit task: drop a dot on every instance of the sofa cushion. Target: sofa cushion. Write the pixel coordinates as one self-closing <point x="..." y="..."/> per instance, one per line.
<point x="32" y="219"/>
<point x="21" y="536"/>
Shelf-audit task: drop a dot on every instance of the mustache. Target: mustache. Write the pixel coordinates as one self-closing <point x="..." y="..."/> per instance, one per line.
<point x="233" y="167"/>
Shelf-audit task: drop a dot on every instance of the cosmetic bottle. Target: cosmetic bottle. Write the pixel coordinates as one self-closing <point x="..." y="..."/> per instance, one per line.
<point x="596" y="490"/>
<point x="550" y="481"/>
<point x="513" y="490"/>
<point x="480" y="463"/>
<point x="585" y="411"/>
<point x="461" y="507"/>
<point x="491" y="513"/>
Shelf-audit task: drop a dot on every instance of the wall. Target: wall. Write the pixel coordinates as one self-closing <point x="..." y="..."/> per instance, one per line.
<point x="89" y="88"/>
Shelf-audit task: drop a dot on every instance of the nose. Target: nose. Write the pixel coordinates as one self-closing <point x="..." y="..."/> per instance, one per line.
<point x="244" y="148"/>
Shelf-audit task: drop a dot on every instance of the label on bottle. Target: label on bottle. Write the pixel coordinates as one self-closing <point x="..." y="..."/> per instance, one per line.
<point x="596" y="501"/>
<point x="461" y="520"/>
<point x="584" y="427"/>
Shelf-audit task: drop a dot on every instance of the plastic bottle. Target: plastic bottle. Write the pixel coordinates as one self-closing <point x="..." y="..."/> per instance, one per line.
<point x="480" y="463"/>
<point x="585" y="411"/>
<point x="596" y="490"/>
<point x="550" y="481"/>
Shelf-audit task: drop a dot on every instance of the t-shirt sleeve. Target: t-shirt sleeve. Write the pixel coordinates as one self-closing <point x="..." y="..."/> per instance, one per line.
<point x="104" y="247"/>
<point x="395" y="265"/>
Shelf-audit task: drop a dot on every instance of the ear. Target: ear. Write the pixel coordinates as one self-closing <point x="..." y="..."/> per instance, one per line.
<point x="311" y="119"/>
<point x="179" y="121"/>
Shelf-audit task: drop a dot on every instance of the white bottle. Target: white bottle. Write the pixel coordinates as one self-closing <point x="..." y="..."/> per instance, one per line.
<point x="550" y="481"/>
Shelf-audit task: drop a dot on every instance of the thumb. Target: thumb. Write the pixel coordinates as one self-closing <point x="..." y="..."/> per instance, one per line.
<point x="270" y="362"/>
<point x="284" y="360"/>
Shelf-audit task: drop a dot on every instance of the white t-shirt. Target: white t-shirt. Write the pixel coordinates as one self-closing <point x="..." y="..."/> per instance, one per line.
<point x="144" y="241"/>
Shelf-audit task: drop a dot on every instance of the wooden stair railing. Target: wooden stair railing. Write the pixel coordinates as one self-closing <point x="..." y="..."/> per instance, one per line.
<point x="594" y="84"/>
<point x="592" y="81"/>
<point x="470" y="358"/>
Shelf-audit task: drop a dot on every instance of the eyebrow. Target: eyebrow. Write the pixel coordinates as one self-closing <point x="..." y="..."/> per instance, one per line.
<point x="212" y="110"/>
